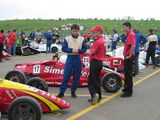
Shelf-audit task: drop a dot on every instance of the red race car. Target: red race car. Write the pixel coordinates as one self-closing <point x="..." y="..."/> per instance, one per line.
<point x="116" y="63"/>
<point x="6" y="55"/>
<point x="23" y="102"/>
<point x="52" y="72"/>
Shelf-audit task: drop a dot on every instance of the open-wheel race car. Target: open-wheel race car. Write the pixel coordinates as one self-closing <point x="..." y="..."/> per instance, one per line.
<point x="6" y="55"/>
<point x="23" y="102"/>
<point x="51" y="71"/>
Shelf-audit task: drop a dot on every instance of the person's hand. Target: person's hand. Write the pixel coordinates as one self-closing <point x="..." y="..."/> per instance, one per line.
<point x="75" y="51"/>
<point x="157" y="46"/>
<point x="127" y="57"/>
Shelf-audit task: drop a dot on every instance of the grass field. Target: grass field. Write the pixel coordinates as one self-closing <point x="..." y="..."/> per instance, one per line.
<point x="32" y="25"/>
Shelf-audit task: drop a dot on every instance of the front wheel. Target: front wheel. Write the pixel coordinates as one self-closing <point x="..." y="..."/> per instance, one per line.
<point x="111" y="82"/>
<point x="54" y="49"/>
<point x="16" y="76"/>
<point x="24" y="108"/>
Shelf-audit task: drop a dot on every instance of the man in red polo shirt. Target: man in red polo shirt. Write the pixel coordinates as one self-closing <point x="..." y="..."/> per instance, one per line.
<point x="2" y="39"/>
<point x="12" y="39"/>
<point x="129" y="54"/>
<point x="98" y="53"/>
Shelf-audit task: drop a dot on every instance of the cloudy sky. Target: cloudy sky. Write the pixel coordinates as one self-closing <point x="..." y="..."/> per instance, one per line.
<point x="54" y="9"/>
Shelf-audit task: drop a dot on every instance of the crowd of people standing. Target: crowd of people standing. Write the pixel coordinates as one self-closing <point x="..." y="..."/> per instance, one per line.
<point x="9" y="40"/>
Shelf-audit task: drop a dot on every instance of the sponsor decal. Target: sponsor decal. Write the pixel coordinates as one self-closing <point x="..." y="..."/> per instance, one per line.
<point x="106" y="63"/>
<point x="9" y="94"/>
<point x="13" y="93"/>
<point x="52" y="70"/>
<point x="84" y="74"/>
<point x="116" y="62"/>
<point x="58" y="83"/>
<point x="51" y="83"/>
<point x="49" y="69"/>
<point x="84" y="84"/>
<point x="33" y="88"/>
<point x="20" y="66"/>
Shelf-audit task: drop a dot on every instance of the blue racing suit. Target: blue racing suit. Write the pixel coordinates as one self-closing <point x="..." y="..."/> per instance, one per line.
<point x="73" y="62"/>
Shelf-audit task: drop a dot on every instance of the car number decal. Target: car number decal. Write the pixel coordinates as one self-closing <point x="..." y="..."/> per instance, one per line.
<point x="36" y="69"/>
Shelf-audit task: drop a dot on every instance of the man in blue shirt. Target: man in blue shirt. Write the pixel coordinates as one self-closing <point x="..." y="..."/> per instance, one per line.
<point x="32" y="36"/>
<point x="49" y="37"/>
<point x="137" y="50"/>
<point x="22" y="36"/>
<point x="159" y="39"/>
<point x="73" y="45"/>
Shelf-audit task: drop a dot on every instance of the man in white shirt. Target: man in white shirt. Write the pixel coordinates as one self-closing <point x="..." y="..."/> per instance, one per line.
<point x="108" y="39"/>
<point x="114" y="40"/>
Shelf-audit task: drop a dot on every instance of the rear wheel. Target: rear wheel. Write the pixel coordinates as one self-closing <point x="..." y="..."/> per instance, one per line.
<point x="54" y="49"/>
<point x="24" y="108"/>
<point x="26" y="52"/>
<point x="16" y="76"/>
<point x="38" y="83"/>
<point x="111" y="82"/>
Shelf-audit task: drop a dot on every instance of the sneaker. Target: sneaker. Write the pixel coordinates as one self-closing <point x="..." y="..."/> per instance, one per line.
<point x="126" y="94"/>
<point x="73" y="94"/>
<point x="60" y="95"/>
<point x="95" y="99"/>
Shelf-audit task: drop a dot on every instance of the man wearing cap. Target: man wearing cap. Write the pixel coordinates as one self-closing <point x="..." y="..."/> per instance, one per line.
<point x="129" y="53"/>
<point x="97" y="52"/>
<point x="73" y="45"/>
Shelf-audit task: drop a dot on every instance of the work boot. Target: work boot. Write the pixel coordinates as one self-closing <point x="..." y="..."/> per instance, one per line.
<point x="95" y="99"/>
<point x="126" y="94"/>
<point x="73" y="94"/>
<point x="154" y="67"/>
<point x="60" y="95"/>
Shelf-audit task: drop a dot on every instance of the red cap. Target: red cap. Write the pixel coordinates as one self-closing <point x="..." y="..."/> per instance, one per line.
<point x="96" y="28"/>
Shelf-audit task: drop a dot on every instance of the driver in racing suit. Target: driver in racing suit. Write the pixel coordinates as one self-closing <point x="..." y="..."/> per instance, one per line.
<point x="73" y="45"/>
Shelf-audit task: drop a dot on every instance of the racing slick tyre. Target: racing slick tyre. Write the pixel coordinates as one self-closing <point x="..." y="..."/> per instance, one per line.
<point x="54" y="49"/>
<point x="157" y="61"/>
<point x="16" y="76"/>
<point x="26" y="52"/>
<point x="134" y="68"/>
<point x="24" y="108"/>
<point x="38" y="82"/>
<point x="111" y="82"/>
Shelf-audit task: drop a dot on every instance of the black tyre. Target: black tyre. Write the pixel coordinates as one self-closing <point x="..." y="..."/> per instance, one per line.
<point x="111" y="82"/>
<point x="24" y="108"/>
<point x="38" y="83"/>
<point x="134" y="68"/>
<point x="16" y="76"/>
<point x="26" y="52"/>
<point x="54" y="49"/>
<point x="157" y="61"/>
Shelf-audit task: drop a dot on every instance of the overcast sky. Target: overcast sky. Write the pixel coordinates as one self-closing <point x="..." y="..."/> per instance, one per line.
<point x="54" y="9"/>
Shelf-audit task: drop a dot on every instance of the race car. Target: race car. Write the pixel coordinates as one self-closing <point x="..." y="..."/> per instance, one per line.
<point x="42" y="47"/>
<point x="6" y="55"/>
<point x="23" y="102"/>
<point x="113" y="62"/>
<point x="51" y="71"/>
